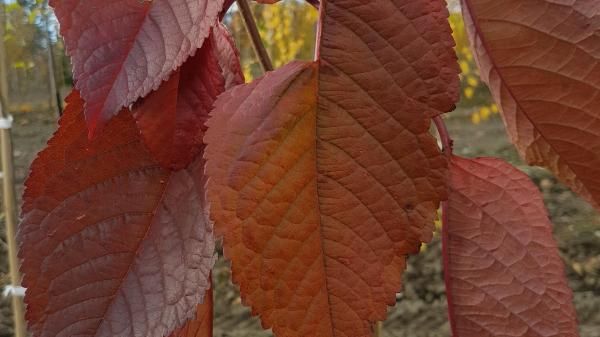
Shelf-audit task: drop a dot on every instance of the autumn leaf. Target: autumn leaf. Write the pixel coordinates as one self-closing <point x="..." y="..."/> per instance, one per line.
<point x="227" y="55"/>
<point x="171" y="119"/>
<point x="504" y="276"/>
<point x="545" y="75"/>
<point x="123" y="49"/>
<point x="323" y="176"/>
<point x="202" y="324"/>
<point x="112" y="244"/>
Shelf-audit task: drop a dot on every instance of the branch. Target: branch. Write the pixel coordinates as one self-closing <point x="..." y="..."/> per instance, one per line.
<point x="259" y="47"/>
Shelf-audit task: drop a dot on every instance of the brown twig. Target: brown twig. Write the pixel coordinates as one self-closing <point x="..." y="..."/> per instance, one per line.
<point x="259" y="47"/>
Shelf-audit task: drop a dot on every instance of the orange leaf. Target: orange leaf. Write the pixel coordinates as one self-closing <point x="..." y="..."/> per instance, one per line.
<point x="542" y="62"/>
<point x="112" y="244"/>
<point x="504" y="276"/>
<point x="323" y="176"/>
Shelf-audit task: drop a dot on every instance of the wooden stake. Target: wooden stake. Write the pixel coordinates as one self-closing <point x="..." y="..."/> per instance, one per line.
<point x="378" y="329"/>
<point x="55" y="99"/>
<point x="10" y="212"/>
<point x="3" y="65"/>
<point x="259" y="47"/>
<point x="8" y="187"/>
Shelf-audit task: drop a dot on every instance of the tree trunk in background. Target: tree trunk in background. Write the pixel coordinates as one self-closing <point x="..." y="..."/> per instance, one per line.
<point x="55" y="99"/>
<point x="3" y="65"/>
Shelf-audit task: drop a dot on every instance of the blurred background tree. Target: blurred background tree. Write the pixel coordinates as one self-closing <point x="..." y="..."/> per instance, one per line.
<point x="475" y="96"/>
<point x="36" y="64"/>
<point x="287" y="28"/>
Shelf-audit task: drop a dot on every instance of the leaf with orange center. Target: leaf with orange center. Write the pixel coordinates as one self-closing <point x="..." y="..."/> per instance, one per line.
<point x="123" y="49"/>
<point x="323" y="176"/>
<point x="171" y="119"/>
<point x="542" y="62"/>
<point x="111" y="243"/>
<point x="504" y="274"/>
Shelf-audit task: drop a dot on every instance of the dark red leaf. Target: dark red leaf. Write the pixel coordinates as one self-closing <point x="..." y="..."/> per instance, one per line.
<point x="228" y="56"/>
<point x="123" y="49"/>
<point x="112" y="244"/>
<point x="171" y="119"/>
<point x="504" y="276"/>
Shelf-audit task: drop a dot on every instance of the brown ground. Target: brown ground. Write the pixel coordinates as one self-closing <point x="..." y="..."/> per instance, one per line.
<point x="421" y="308"/>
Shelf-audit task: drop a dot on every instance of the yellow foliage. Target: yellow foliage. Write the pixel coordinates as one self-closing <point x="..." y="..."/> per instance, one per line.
<point x="484" y="112"/>
<point x="288" y="30"/>
<point x="472" y="81"/>
<point x="474" y="92"/>
<point x="465" y="67"/>
<point x="469" y="92"/>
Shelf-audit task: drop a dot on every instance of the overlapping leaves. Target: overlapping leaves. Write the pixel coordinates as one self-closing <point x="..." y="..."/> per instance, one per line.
<point x="123" y="49"/>
<point x="114" y="236"/>
<point x="112" y="244"/>
<point x="323" y="175"/>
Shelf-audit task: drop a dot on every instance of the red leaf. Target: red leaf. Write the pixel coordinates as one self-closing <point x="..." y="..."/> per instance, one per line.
<point x="123" y="49"/>
<point x="228" y="56"/>
<point x="542" y="62"/>
<point x="504" y="276"/>
<point x="319" y="202"/>
<point x="202" y="324"/>
<point x="171" y="119"/>
<point x="399" y="51"/>
<point x="112" y="244"/>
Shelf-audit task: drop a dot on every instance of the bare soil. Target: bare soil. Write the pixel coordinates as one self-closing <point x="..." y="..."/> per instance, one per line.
<point x="421" y="307"/>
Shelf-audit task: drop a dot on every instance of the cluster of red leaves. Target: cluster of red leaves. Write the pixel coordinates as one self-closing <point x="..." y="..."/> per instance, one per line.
<point x="114" y="239"/>
<point x="321" y="177"/>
